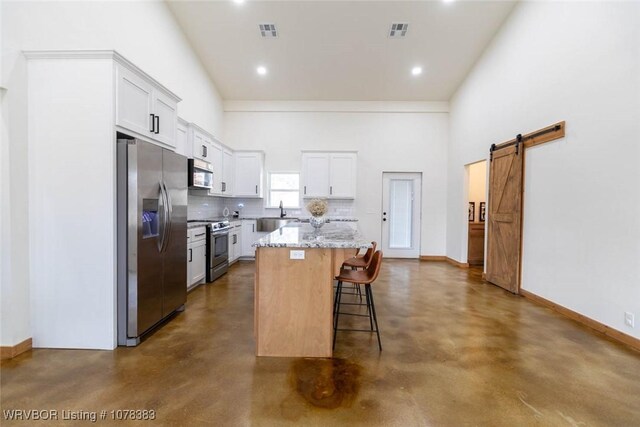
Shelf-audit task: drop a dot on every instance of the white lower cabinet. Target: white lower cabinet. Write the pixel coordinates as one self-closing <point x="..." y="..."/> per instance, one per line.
<point x="250" y="235"/>
<point x="196" y="256"/>
<point x="235" y="241"/>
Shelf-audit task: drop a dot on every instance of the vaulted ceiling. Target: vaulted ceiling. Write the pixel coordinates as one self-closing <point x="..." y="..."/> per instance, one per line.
<point x="339" y="50"/>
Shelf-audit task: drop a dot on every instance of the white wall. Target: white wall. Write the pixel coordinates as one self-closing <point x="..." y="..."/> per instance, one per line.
<point x="385" y="141"/>
<point x="146" y="34"/>
<point x="578" y="62"/>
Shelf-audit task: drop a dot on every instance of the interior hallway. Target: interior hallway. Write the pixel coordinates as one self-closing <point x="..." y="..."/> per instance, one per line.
<point x="456" y="352"/>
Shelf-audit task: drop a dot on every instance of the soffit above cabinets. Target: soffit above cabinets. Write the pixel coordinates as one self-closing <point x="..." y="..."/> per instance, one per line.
<point x="339" y="50"/>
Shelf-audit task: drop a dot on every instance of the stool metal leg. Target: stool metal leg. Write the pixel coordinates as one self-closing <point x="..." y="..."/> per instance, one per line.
<point x="369" y="312"/>
<point x="373" y="309"/>
<point x="335" y="298"/>
<point x="337" y="314"/>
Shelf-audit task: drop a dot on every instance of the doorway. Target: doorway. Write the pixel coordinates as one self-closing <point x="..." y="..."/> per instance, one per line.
<point x="477" y="205"/>
<point x="401" y="209"/>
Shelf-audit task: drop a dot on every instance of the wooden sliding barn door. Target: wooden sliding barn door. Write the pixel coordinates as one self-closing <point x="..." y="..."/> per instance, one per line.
<point x="505" y="218"/>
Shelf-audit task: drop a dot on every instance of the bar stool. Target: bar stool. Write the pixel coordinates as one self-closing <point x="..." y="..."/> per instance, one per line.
<point x="360" y="261"/>
<point x="359" y="277"/>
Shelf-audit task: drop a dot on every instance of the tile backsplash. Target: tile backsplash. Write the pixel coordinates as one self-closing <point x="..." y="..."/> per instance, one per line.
<point x="206" y="207"/>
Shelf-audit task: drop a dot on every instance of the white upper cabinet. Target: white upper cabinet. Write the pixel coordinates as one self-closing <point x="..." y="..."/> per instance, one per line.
<point x="145" y="108"/>
<point x="221" y="159"/>
<point x="165" y="117"/>
<point x="329" y="175"/>
<point x="183" y="145"/>
<point x="342" y="175"/>
<point x="135" y="98"/>
<point x="200" y="144"/>
<point x="315" y="174"/>
<point x="249" y="174"/>
<point x="227" y="172"/>
<point x="216" y="162"/>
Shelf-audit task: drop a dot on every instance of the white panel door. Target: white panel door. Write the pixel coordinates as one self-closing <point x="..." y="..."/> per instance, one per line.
<point x="315" y="174"/>
<point x="342" y="175"/>
<point x="401" y="209"/>
<point x="134" y="103"/>
<point x="166" y="111"/>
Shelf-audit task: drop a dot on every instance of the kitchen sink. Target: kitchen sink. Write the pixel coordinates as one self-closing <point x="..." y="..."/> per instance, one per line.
<point x="273" y="223"/>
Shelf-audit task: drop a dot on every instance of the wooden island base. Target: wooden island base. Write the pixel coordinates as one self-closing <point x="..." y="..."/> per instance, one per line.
<point x="294" y="301"/>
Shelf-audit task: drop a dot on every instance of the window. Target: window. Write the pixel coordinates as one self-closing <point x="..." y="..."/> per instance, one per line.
<point x="285" y="187"/>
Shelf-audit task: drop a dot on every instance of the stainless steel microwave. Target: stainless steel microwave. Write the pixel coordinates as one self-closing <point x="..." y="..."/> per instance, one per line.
<point x="200" y="174"/>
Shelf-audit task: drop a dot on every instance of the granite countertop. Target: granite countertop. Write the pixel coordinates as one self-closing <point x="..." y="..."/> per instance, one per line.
<point x="191" y="225"/>
<point x="301" y="218"/>
<point x="303" y="235"/>
<point x="332" y="218"/>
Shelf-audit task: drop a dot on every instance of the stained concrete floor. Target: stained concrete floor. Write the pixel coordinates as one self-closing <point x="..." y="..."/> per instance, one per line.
<point x="456" y="352"/>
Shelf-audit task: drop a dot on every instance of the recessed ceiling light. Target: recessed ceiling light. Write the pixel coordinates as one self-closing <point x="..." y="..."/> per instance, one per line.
<point x="261" y="70"/>
<point x="448" y="1"/>
<point x="238" y="1"/>
<point x="416" y="71"/>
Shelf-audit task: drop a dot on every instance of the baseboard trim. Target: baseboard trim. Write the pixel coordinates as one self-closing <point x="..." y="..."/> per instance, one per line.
<point x="586" y="321"/>
<point x="433" y="258"/>
<point x="9" y="352"/>
<point x="444" y="258"/>
<point x="457" y="263"/>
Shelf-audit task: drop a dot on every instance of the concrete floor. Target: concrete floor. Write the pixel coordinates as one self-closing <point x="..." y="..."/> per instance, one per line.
<point x="456" y="352"/>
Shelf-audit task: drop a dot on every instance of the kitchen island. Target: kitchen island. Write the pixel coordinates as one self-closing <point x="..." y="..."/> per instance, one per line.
<point x="295" y="270"/>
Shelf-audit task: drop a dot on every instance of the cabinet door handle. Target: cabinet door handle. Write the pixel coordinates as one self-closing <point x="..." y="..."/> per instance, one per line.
<point x="157" y="120"/>
<point x="204" y="151"/>
<point x="153" y="123"/>
<point x="330" y="190"/>
<point x="256" y="189"/>
<point x="201" y="234"/>
<point x="305" y="189"/>
<point x="253" y="228"/>
<point x="190" y="255"/>
<point x="224" y="187"/>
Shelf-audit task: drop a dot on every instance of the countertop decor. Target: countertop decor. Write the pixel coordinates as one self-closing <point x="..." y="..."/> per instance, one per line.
<point x="317" y="208"/>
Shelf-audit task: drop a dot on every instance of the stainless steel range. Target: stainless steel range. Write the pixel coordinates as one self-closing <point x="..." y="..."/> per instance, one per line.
<point x="217" y="249"/>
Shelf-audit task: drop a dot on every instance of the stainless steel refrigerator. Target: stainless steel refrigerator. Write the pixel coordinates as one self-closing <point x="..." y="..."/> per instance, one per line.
<point x="152" y="237"/>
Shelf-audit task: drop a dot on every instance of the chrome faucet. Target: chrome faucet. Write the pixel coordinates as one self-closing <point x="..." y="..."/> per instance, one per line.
<point x="282" y="212"/>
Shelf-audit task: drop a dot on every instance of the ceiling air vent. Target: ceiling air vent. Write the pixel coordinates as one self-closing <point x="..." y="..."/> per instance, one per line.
<point x="268" y="31"/>
<point x="398" y="30"/>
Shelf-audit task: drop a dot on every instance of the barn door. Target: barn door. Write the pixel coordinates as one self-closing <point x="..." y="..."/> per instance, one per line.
<point x="505" y="218"/>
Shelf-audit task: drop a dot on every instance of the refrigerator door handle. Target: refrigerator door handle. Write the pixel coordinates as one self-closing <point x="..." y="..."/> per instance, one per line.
<point x="162" y="210"/>
<point x="168" y="217"/>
